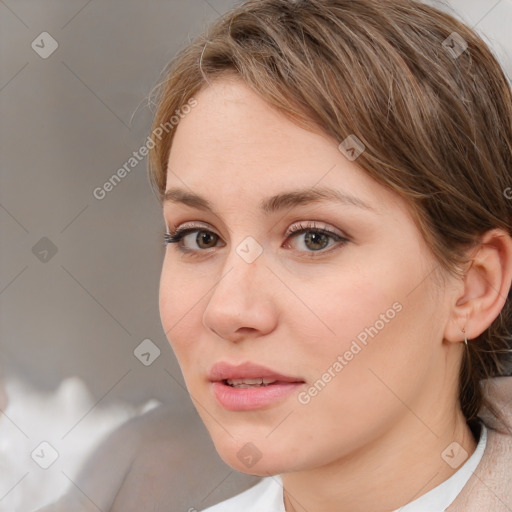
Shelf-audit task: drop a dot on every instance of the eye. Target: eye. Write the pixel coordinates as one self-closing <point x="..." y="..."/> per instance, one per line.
<point x="316" y="240"/>
<point x="204" y="238"/>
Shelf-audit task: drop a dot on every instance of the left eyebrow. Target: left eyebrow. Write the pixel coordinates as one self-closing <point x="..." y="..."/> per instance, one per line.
<point x="273" y="203"/>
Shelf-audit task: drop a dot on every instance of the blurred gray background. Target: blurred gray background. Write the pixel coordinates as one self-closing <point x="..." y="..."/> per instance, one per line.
<point x="79" y="276"/>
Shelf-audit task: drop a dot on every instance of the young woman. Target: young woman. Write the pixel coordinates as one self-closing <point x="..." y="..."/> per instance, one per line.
<point x="335" y="180"/>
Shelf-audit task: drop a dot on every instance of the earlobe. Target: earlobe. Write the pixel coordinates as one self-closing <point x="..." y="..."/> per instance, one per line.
<point x="487" y="282"/>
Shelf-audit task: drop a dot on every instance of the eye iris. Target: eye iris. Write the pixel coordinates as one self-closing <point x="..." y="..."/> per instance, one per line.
<point x="316" y="238"/>
<point x="204" y="236"/>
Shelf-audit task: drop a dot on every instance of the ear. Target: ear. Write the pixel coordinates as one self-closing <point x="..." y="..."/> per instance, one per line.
<point x="483" y="292"/>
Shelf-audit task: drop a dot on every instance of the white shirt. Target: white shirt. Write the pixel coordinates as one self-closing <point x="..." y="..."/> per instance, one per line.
<point x="267" y="495"/>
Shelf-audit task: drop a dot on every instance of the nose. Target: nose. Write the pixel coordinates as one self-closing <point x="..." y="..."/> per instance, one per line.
<point x="242" y="302"/>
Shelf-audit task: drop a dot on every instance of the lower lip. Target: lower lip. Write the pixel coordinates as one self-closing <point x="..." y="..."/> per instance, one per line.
<point x="247" y="399"/>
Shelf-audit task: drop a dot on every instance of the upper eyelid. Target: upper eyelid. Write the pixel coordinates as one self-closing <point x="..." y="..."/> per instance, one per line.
<point x="310" y="209"/>
<point x="190" y="226"/>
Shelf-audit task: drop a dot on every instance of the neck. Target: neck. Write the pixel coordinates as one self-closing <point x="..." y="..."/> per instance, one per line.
<point x="395" y="469"/>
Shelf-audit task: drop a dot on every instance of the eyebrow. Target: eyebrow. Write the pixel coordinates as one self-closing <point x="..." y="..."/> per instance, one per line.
<point x="274" y="203"/>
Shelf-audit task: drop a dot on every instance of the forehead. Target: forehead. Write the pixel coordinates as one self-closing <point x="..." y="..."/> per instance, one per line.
<point x="231" y="119"/>
<point x="233" y="140"/>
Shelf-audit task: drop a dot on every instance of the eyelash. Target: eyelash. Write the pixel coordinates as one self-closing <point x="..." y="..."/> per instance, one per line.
<point x="300" y="228"/>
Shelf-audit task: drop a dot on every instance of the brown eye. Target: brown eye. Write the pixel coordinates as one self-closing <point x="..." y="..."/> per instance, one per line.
<point x="204" y="239"/>
<point x="316" y="240"/>
<point x="207" y="238"/>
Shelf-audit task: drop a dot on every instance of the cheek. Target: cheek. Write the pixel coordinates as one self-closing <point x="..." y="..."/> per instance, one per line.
<point x="365" y="325"/>
<point x="352" y="386"/>
<point x="372" y="299"/>
<point x="179" y="304"/>
<point x="341" y="306"/>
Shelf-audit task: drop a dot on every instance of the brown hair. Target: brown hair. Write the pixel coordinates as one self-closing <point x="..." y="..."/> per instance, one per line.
<point x="436" y="124"/>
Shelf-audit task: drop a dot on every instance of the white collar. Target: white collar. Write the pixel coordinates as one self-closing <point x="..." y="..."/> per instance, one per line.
<point x="267" y="495"/>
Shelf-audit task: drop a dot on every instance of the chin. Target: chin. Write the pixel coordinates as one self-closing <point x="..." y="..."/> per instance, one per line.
<point x="259" y="458"/>
<point x="261" y="468"/>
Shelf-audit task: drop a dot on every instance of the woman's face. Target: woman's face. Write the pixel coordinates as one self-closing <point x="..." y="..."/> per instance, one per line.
<point x="346" y="312"/>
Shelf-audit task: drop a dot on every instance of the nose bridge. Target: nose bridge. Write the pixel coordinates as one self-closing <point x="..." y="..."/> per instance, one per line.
<point x="244" y="266"/>
<point x="238" y="300"/>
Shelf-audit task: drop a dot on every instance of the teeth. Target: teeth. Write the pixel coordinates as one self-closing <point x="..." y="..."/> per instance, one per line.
<point x="249" y="383"/>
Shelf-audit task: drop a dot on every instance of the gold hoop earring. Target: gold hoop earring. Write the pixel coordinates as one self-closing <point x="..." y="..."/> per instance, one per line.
<point x="465" y="337"/>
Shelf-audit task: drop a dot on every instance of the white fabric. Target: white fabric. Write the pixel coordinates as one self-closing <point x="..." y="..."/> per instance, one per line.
<point x="267" y="495"/>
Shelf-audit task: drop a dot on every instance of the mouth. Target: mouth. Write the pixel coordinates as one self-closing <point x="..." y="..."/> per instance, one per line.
<point x="250" y="386"/>
<point x="249" y="383"/>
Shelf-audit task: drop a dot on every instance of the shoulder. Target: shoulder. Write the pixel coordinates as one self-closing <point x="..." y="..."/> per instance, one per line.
<point x="265" y="496"/>
<point x="489" y="487"/>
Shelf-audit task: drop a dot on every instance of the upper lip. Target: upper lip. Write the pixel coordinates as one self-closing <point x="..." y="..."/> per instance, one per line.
<point x="223" y="370"/>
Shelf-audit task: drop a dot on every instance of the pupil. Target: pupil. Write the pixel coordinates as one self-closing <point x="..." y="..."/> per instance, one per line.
<point x="316" y="239"/>
<point x="203" y="237"/>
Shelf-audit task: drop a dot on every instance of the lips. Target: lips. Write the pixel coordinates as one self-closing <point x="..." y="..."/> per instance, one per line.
<point x="248" y="371"/>
<point x="250" y="386"/>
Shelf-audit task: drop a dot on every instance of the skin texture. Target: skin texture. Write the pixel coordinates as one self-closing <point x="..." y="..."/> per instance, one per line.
<point x="372" y="439"/>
